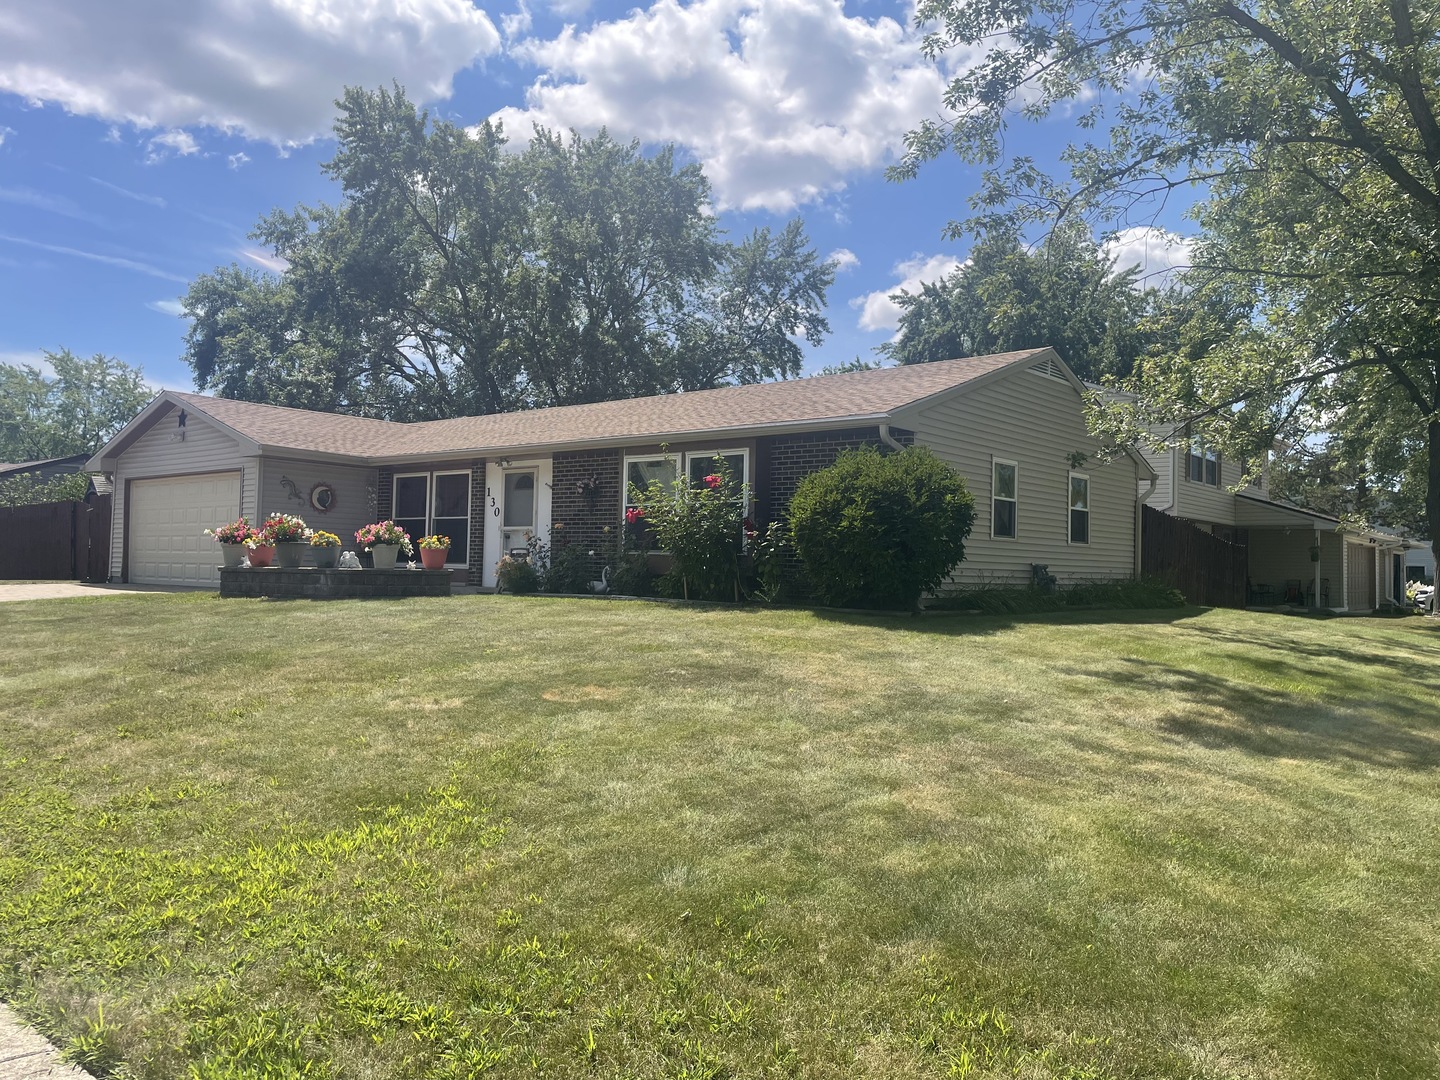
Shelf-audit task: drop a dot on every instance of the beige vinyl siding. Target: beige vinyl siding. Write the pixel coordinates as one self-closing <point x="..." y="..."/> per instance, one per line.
<point x="1037" y="422"/>
<point x="206" y="448"/>
<point x="355" y="493"/>
<point x="1163" y="462"/>
<point x="1205" y="502"/>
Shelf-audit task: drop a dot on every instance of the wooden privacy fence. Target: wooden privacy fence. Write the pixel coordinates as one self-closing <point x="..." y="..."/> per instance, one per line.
<point x="1205" y="568"/>
<point x="64" y="541"/>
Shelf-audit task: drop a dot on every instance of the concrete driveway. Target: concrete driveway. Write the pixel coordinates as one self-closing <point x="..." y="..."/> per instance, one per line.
<point x="58" y="590"/>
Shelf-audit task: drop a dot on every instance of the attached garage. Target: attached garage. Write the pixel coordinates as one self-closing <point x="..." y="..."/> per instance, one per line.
<point x="168" y="519"/>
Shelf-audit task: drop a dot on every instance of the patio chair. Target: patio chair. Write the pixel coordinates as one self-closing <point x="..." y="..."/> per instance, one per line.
<point x="1294" y="591"/>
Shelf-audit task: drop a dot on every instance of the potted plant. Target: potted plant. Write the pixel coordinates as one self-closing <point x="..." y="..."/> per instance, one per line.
<point x="231" y="539"/>
<point x="434" y="550"/>
<point x="384" y="540"/>
<point x="326" y="546"/>
<point x="290" y="537"/>
<point x="1314" y="552"/>
<point x="261" y="551"/>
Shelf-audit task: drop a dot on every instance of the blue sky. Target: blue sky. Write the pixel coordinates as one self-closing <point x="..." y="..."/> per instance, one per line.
<point x="140" y="142"/>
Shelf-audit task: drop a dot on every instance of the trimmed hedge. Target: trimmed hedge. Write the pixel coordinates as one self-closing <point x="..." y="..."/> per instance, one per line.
<point x="1024" y="600"/>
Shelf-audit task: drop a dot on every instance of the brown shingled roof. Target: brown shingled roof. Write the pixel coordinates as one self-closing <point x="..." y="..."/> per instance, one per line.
<point x="824" y="400"/>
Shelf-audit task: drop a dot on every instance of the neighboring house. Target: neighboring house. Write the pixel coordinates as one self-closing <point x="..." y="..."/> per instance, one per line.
<point x="1012" y="424"/>
<point x="1420" y="562"/>
<point x="1357" y="569"/>
<point x="45" y="469"/>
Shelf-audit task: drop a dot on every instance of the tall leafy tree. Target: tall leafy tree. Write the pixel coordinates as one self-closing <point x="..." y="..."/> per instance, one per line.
<point x="1064" y="293"/>
<point x="457" y="278"/>
<point x="1313" y="131"/>
<point x="72" y="411"/>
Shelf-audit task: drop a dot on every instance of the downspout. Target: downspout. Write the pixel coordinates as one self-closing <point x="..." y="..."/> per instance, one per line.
<point x="1140" y="501"/>
<point x="888" y="439"/>
<point x="1316" y="594"/>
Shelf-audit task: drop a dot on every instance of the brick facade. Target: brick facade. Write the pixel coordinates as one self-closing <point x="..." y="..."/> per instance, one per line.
<point x="585" y="515"/>
<point x="785" y="459"/>
<point x="475" y="572"/>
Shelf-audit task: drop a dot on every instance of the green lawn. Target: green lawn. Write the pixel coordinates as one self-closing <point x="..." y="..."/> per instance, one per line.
<point x="532" y="837"/>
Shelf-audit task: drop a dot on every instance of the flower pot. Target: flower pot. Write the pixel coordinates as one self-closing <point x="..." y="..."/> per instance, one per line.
<point x="261" y="555"/>
<point x="290" y="555"/>
<point x="434" y="558"/>
<point x="384" y="555"/>
<point x="326" y="557"/>
<point x="232" y="554"/>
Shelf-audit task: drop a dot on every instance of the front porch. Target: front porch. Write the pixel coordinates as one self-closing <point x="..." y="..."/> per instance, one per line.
<point x="1302" y="559"/>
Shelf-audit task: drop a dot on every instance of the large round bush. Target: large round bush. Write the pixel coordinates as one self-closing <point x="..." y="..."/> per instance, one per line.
<point x="879" y="530"/>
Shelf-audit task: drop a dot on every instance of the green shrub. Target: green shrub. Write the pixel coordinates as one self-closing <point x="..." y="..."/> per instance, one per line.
<point x="880" y="530"/>
<point x="27" y="489"/>
<point x="518" y="576"/>
<point x="569" y="570"/>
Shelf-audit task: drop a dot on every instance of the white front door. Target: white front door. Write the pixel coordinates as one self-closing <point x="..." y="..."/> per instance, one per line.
<point x="517" y="507"/>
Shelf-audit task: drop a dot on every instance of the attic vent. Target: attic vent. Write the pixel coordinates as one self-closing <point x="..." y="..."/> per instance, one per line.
<point x="1049" y="368"/>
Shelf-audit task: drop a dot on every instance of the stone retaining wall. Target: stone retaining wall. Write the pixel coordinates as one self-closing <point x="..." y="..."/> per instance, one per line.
<point x="309" y="583"/>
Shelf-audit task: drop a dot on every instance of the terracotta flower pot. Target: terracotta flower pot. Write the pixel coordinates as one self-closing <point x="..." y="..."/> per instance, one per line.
<point x="434" y="558"/>
<point x="262" y="555"/>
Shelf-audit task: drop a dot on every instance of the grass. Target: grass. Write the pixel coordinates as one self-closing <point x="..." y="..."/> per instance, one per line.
<point x="534" y="837"/>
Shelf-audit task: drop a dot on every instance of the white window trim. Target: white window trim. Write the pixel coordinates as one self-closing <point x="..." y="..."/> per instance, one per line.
<point x="430" y="504"/>
<point x="710" y="455"/>
<point x="469" y="509"/>
<point x="1070" y="510"/>
<point x="994" y="498"/>
<point x="625" y="503"/>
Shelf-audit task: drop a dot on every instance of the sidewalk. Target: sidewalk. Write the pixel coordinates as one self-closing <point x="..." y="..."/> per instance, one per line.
<point x="25" y="1054"/>
<point x="57" y="590"/>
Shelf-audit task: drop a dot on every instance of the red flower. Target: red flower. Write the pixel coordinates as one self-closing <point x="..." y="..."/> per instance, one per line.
<point x="713" y="481"/>
<point x="634" y="514"/>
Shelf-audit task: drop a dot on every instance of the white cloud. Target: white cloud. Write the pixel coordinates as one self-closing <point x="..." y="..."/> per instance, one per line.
<point x="266" y="261"/>
<point x="40" y="200"/>
<point x="93" y="256"/>
<point x="268" y="69"/>
<point x="174" y="142"/>
<point x="149" y="200"/>
<point x="1156" y="252"/>
<point x="783" y="100"/>
<point x="239" y="159"/>
<point x="30" y="358"/>
<point x="843" y="259"/>
<point x="5" y="133"/>
<point x="879" y="312"/>
<point x="516" y="24"/>
<point x="167" y="307"/>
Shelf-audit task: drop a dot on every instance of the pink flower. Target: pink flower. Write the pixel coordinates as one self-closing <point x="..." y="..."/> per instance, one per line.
<point x="634" y="514"/>
<point x="713" y="481"/>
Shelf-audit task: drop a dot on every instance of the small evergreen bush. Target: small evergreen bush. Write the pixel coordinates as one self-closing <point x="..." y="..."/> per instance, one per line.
<point x="880" y="530"/>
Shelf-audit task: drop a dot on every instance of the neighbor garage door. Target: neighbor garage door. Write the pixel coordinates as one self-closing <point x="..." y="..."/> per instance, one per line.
<point x="167" y="523"/>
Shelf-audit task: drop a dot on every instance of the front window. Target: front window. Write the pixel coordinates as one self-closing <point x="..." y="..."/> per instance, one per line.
<point x="1004" y="499"/>
<point x="700" y="464"/>
<point x="436" y="502"/>
<point x="1079" y="508"/>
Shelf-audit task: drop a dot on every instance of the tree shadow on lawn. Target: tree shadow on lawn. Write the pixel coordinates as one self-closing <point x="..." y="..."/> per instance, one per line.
<point x="967" y="624"/>
<point x="1268" y="722"/>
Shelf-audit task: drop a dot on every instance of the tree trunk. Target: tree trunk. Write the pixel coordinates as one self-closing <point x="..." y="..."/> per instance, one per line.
<point x="1432" y="506"/>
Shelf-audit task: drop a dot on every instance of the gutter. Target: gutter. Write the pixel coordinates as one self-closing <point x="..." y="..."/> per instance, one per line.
<point x="888" y="439"/>
<point x="1140" y="501"/>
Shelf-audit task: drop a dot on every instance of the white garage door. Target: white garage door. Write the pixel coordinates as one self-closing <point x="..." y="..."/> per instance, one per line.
<point x="168" y="519"/>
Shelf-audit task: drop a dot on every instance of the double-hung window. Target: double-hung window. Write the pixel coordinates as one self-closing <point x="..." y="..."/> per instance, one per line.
<point x="1203" y="464"/>
<point x="1004" y="499"/>
<point x="1079" y="508"/>
<point x="694" y="466"/>
<point x="430" y="503"/>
